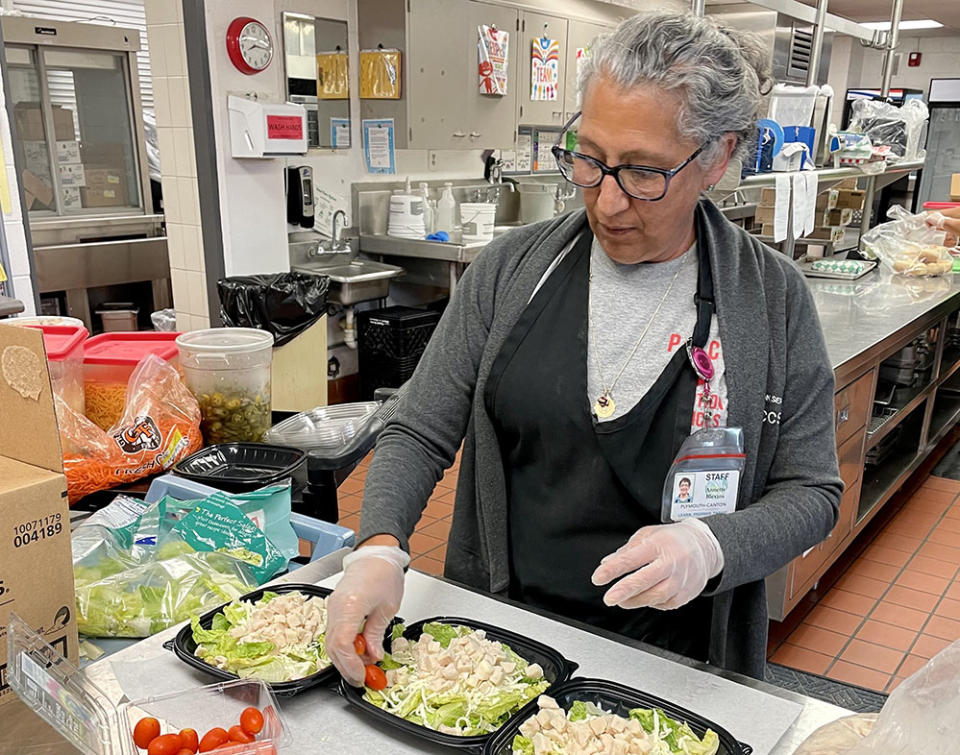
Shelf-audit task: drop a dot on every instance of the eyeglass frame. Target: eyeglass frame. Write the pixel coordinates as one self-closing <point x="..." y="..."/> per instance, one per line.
<point x="607" y="170"/>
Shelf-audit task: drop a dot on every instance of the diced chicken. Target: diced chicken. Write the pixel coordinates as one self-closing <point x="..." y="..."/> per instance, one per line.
<point x="530" y="727"/>
<point x="483" y="670"/>
<point x="544" y="701"/>
<point x="534" y="671"/>
<point x="598" y="726"/>
<point x="541" y="744"/>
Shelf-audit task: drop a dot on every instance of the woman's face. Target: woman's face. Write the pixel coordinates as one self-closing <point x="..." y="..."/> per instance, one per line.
<point x="638" y="126"/>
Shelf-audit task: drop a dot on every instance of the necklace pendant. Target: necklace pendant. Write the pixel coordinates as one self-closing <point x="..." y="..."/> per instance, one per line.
<point x="604" y="407"/>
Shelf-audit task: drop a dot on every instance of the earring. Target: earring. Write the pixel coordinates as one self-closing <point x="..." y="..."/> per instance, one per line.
<point x="711" y="187"/>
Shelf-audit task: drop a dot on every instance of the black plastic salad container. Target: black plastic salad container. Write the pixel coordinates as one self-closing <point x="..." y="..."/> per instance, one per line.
<point x="243" y="467"/>
<point x="556" y="669"/>
<point x="613" y="698"/>
<point x="184" y="646"/>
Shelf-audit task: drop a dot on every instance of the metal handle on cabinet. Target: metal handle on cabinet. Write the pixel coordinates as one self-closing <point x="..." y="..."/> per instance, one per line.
<point x="474" y="134"/>
<point x="459" y="134"/>
<point x="842" y="416"/>
<point x="558" y="115"/>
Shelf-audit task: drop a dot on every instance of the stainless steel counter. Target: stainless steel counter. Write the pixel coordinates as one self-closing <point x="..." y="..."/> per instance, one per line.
<point x="861" y="318"/>
<point x="773" y="721"/>
<point x="393" y="246"/>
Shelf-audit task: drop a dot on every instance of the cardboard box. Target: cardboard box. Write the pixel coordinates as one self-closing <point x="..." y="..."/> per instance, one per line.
<point x="827" y="200"/>
<point x="834" y="217"/>
<point x="70" y="198"/>
<point x="104" y="178"/>
<point x="72" y="175"/>
<point x="827" y="233"/>
<point x="764" y="215"/>
<point x="103" y="154"/>
<point x="847" y="183"/>
<point x="850" y="198"/>
<point x="63" y="129"/>
<point x="68" y="151"/>
<point x="28" y="119"/>
<point x="36" y="569"/>
<point x="40" y="189"/>
<point x="768" y="197"/>
<point x="766" y="229"/>
<point x="955" y="187"/>
<point x="103" y="197"/>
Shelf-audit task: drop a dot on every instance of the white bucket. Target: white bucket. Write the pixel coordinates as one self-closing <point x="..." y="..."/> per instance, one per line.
<point x="406" y="216"/>
<point x="477" y="221"/>
<point x="537" y="201"/>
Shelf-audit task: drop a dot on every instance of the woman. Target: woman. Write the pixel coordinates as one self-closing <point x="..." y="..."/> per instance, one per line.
<point x="563" y="365"/>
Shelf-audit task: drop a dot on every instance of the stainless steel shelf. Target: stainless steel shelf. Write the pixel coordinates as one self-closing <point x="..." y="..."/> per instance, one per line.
<point x="827" y="175"/>
<point x="392" y="246"/>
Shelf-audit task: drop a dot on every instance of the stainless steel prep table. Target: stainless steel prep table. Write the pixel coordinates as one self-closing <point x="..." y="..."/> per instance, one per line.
<point x="323" y="722"/>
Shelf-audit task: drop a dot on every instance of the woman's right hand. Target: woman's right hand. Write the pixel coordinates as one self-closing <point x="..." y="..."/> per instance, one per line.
<point x="946" y="220"/>
<point x="368" y="595"/>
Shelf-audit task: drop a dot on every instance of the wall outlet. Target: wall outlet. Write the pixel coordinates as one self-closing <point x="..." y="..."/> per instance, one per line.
<point x="432" y="160"/>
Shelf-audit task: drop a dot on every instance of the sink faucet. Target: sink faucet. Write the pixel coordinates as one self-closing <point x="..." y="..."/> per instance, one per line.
<point x="493" y="171"/>
<point x="335" y="245"/>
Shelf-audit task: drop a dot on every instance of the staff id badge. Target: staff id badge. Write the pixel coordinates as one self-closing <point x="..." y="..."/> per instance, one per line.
<point x="704" y="479"/>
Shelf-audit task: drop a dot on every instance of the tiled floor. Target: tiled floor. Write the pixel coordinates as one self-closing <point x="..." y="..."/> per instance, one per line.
<point x="428" y="546"/>
<point x="895" y="606"/>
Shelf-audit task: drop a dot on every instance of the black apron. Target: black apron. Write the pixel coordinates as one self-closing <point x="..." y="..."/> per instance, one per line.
<point x="577" y="489"/>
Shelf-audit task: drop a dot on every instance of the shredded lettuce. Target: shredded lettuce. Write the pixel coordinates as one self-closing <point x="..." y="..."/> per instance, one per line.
<point x="250" y="659"/>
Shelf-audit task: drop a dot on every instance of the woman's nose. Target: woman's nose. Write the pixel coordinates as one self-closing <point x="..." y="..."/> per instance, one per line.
<point x="611" y="199"/>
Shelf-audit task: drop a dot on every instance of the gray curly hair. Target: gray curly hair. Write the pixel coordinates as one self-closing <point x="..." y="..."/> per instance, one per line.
<point x="720" y="74"/>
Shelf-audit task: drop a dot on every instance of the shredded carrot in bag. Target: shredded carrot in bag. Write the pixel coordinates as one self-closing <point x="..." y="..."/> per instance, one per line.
<point x="104" y="402"/>
<point x="160" y="425"/>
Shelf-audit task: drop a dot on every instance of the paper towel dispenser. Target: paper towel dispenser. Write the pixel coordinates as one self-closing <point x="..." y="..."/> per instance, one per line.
<point x="260" y="129"/>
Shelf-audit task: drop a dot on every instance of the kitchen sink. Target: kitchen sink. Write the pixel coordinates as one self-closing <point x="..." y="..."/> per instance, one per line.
<point x="353" y="281"/>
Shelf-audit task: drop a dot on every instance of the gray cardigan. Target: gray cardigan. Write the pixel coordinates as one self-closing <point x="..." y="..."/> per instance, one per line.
<point x="780" y="385"/>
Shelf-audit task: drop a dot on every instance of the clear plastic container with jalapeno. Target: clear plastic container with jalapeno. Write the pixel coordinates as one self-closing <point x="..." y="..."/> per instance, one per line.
<point x="228" y="371"/>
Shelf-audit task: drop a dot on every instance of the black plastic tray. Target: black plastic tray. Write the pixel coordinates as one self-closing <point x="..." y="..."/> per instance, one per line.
<point x="556" y="669"/>
<point x="184" y="647"/>
<point x="614" y="698"/>
<point x="242" y="467"/>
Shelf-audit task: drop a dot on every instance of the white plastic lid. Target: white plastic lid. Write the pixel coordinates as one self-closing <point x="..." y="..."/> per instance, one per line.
<point x="225" y="340"/>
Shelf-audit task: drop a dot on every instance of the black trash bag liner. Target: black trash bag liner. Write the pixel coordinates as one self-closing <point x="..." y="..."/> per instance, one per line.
<point x="284" y="304"/>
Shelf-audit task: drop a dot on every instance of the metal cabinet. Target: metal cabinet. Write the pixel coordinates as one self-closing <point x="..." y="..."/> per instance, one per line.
<point x="580" y="35"/>
<point x="441" y="106"/>
<point x="540" y="112"/>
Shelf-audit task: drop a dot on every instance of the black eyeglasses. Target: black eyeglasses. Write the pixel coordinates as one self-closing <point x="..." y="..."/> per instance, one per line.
<point x="638" y="181"/>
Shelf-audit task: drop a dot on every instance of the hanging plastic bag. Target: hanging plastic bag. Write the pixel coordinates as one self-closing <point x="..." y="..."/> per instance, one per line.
<point x="897" y="127"/>
<point x="380" y="74"/>
<point x="160" y="426"/>
<point x="908" y="245"/>
<point x="333" y="79"/>
<point x="920" y="716"/>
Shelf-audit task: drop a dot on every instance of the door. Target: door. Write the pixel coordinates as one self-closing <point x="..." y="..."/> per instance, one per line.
<point x="540" y="112"/>
<point x="438" y="66"/>
<point x="491" y="118"/>
<point x="580" y="35"/>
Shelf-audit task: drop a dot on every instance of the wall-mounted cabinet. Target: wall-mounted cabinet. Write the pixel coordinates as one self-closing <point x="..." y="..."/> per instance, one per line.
<point x="440" y="105"/>
<point x="580" y="35"/>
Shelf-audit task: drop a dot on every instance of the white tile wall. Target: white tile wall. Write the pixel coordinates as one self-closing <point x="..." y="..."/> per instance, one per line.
<point x="192" y="248"/>
<point x="171" y="196"/>
<point x="16" y="248"/>
<point x="183" y="146"/>
<point x="179" y="94"/>
<point x="23" y="289"/>
<point x="175" y="249"/>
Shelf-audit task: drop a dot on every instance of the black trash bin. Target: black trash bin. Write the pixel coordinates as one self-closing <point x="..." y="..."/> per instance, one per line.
<point x="284" y="304"/>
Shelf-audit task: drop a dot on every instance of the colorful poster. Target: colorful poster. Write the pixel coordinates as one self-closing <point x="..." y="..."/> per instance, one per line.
<point x="492" y="48"/>
<point x="545" y="70"/>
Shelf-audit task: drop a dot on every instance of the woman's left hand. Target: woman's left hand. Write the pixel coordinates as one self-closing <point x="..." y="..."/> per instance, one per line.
<point x="666" y="566"/>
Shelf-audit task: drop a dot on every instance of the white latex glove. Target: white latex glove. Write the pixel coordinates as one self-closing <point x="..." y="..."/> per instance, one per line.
<point x="666" y="566"/>
<point x="368" y="595"/>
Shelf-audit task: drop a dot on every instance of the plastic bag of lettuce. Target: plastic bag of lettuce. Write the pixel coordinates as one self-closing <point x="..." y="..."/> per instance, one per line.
<point x="140" y="568"/>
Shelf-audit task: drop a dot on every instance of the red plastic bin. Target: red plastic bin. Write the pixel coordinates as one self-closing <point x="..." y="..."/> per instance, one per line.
<point x="940" y="205"/>
<point x="64" y="347"/>
<point x="108" y="361"/>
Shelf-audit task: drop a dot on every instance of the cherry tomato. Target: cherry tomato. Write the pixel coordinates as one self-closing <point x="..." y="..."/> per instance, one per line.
<point x="213" y="738"/>
<point x="166" y="744"/>
<point x="375" y="678"/>
<point x="251" y="720"/>
<point x="146" y="730"/>
<point x="237" y="734"/>
<point x="189" y="740"/>
<point x="360" y="644"/>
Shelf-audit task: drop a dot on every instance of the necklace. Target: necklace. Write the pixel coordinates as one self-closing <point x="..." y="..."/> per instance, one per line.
<point x="604" y="406"/>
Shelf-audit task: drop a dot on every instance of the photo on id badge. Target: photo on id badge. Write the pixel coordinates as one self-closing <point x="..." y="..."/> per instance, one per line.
<point x="683" y="490"/>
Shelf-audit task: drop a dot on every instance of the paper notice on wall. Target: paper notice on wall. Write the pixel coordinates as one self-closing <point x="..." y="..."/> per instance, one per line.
<point x="781" y="211"/>
<point x="325" y="203"/>
<point x="378" y="149"/>
<point x="5" y="206"/>
<point x="545" y="70"/>
<point x="340" y="133"/>
<point x="492" y="52"/>
<point x="524" y="152"/>
<point x="543" y="159"/>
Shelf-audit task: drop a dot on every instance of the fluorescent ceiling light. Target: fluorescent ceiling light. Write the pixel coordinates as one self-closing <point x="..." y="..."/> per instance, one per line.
<point x="922" y="23"/>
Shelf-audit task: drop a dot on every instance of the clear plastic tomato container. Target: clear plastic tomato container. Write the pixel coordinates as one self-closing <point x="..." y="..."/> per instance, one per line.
<point x="64" y="346"/>
<point x="86" y="717"/>
<point x="108" y="362"/>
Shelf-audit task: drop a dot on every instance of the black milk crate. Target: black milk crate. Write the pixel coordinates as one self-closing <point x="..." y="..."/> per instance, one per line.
<point x="391" y="342"/>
